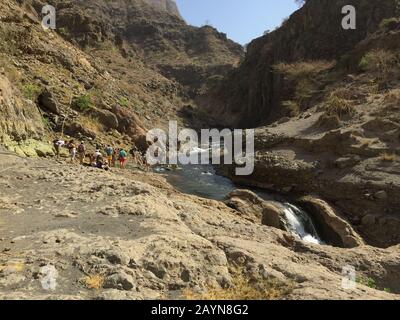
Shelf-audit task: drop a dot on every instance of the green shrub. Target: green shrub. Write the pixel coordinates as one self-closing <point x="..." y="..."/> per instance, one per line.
<point x="46" y="122"/>
<point x="368" y="282"/>
<point x="83" y="102"/>
<point x="380" y="61"/>
<point x="123" y="102"/>
<point x="382" y="64"/>
<point x="389" y="23"/>
<point x="63" y="31"/>
<point x="302" y="70"/>
<point x="31" y="91"/>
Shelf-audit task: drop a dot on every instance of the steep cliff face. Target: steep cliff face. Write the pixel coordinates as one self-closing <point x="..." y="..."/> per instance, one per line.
<point x="19" y="118"/>
<point x="166" y="5"/>
<point x="336" y="102"/>
<point x="253" y="94"/>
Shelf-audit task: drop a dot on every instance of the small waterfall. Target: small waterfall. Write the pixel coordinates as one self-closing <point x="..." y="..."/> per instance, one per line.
<point x="300" y="224"/>
<point x="201" y="180"/>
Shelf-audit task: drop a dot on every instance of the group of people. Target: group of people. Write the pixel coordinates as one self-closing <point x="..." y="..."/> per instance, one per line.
<point x="102" y="158"/>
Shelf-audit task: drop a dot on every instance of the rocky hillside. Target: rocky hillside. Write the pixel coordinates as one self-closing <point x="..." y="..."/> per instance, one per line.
<point x="255" y="93"/>
<point x="110" y="70"/>
<point x="336" y="105"/>
<point x="158" y="38"/>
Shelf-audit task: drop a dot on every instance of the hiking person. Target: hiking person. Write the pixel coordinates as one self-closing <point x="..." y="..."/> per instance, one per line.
<point x="134" y="153"/>
<point x="109" y="153"/>
<point x="122" y="158"/>
<point x="72" y="150"/>
<point x="81" y="152"/>
<point x="114" y="157"/>
<point x="57" y="144"/>
<point x="101" y="164"/>
<point x="95" y="157"/>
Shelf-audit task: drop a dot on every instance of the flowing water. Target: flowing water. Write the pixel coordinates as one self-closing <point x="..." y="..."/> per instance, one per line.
<point x="202" y="180"/>
<point x="300" y="224"/>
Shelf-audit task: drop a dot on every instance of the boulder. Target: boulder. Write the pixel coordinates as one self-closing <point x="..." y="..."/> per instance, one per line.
<point x="332" y="228"/>
<point x="141" y="142"/>
<point x="106" y="117"/>
<point x="75" y="129"/>
<point x="128" y="121"/>
<point x="47" y="102"/>
<point x="30" y="148"/>
<point x="256" y="209"/>
<point x="120" y="280"/>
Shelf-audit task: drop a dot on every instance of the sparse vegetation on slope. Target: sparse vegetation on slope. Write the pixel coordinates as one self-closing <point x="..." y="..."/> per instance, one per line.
<point x="243" y="288"/>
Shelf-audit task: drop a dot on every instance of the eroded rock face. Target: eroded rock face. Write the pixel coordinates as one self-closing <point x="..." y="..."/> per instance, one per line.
<point x="352" y="168"/>
<point x="165" y="5"/>
<point x="48" y="102"/>
<point x="19" y="118"/>
<point x="252" y="207"/>
<point x="253" y="94"/>
<point x="331" y="227"/>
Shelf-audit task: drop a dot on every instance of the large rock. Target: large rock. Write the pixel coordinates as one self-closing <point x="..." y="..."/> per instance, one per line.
<point x="48" y="102"/>
<point x="254" y="208"/>
<point x="76" y="129"/>
<point x="129" y="123"/>
<point x="120" y="280"/>
<point x="106" y="117"/>
<point x="30" y="148"/>
<point x="332" y="228"/>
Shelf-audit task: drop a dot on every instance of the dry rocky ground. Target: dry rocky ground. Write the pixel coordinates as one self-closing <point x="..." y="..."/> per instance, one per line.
<point x="130" y="235"/>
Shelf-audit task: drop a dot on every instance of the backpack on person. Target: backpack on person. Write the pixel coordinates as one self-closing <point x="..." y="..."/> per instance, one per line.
<point x="109" y="151"/>
<point x="122" y="154"/>
<point x="81" y="148"/>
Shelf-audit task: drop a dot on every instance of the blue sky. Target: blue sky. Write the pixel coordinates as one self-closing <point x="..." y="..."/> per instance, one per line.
<point x="241" y="20"/>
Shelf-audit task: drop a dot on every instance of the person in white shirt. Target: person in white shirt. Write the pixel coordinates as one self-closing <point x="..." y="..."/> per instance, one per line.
<point x="95" y="156"/>
<point x="58" y="143"/>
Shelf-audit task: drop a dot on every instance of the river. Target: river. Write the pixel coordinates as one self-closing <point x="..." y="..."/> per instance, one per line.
<point x="202" y="181"/>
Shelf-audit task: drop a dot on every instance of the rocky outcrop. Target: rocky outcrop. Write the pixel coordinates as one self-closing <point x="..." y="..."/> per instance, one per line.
<point x="255" y="209"/>
<point x="330" y="226"/>
<point x="169" y="6"/>
<point x="144" y="28"/>
<point x="355" y="173"/>
<point x="47" y="102"/>
<point x="20" y="119"/>
<point x="328" y="133"/>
